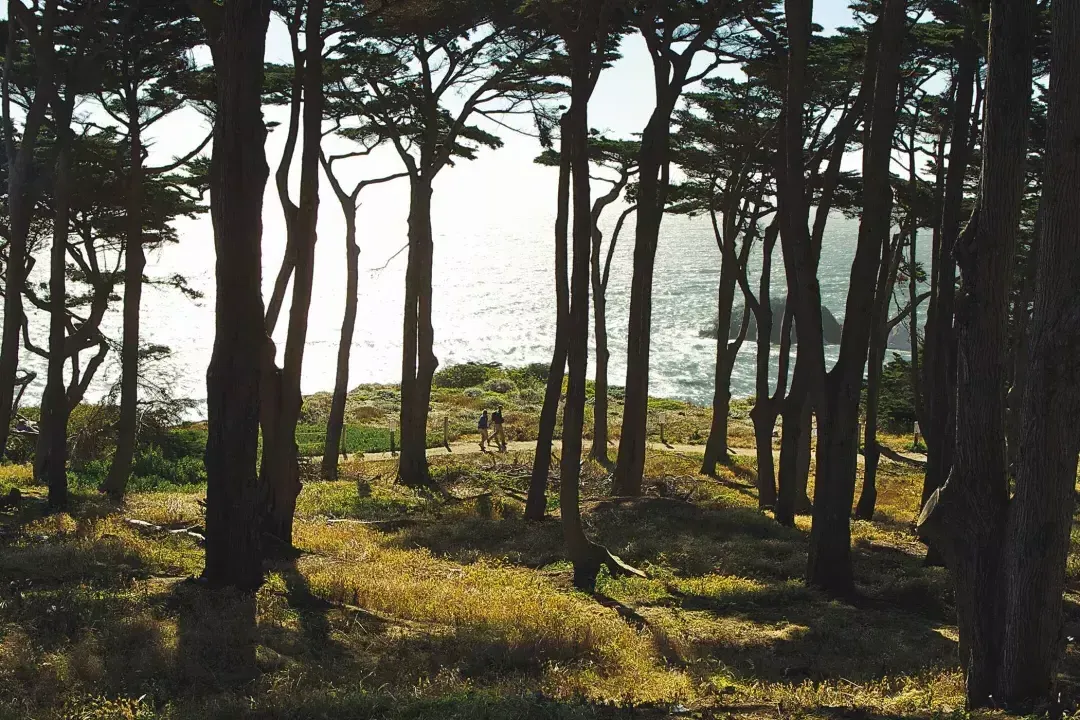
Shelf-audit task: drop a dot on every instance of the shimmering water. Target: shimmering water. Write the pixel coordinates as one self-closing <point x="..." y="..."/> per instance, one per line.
<point x="494" y="296"/>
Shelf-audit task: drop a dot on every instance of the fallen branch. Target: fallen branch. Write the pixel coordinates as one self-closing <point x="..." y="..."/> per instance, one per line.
<point x="148" y="527"/>
<point x="897" y="457"/>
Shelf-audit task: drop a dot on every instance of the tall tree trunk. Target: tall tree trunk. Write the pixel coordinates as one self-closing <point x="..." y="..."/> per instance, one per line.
<point x="829" y="560"/>
<point x="652" y="188"/>
<point x="600" y="274"/>
<point x="800" y="261"/>
<point x="766" y="404"/>
<point x="716" y="448"/>
<point x="599" y="451"/>
<point x="536" y="505"/>
<point x="335" y="424"/>
<point x="879" y="342"/>
<point x="941" y="336"/>
<point x="22" y="194"/>
<point x="235" y="498"/>
<point x="418" y="362"/>
<point x="1040" y="515"/>
<point x="797" y="414"/>
<point x="50" y="459"/>
<point x="586" y="556"/>
<point x="282" y="472"/>
<point x="134" y="263"/>
<point x="966" y="516"/>
<point x="1021" y="343"/>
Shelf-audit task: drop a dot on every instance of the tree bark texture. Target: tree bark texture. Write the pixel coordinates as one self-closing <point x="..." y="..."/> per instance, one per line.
<point x="966" y="517"/>
<point x="235" y="498"/>
<point x="1040" y="515"/>
<point x="536" y="505"/>
<point x="829" y="559"/>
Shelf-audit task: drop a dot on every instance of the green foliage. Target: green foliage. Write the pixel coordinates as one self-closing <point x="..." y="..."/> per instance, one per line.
<point x="530" y="375"/>
<point x="466" y="375"/>
<point x="896" y="399"/>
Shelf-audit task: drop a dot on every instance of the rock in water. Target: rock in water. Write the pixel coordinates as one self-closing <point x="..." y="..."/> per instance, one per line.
<point x="831" y="328"/>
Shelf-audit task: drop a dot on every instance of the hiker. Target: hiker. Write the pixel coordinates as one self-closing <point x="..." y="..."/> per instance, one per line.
<point x="483" y="426"/>
<point x="500" y="436"/>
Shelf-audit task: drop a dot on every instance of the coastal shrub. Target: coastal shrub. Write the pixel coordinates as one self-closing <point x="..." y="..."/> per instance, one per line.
<point x="466" y="375"/>
<point x="529" y="376"/>
<point x="896" y="398"/>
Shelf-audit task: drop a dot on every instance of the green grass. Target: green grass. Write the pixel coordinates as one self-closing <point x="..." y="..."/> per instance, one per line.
<point x="461" y="609"/>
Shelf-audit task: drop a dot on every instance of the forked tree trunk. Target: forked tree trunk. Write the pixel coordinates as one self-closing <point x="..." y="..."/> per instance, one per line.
<point x="22" y="193"/>
<point x="418" y="359"/>
<point x="829" y="559"/>
<point x="50" y="458"/>
<point x="536" y="505"/>
<point x="586" y="556"/>
<point x="1040" y="515"/>
<point x="795" y="442"/>
<point x="599" y="277"/>
<point x="335" y="424"/>
<point x="766" y="403"/>
<point x="282" y="472"/>
<point x="966" y="517"/>
<point x="235" y="499"/>
<point x="134" y="263"/>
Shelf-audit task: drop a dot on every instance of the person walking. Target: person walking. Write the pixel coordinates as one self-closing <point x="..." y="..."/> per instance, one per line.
<point x="500" y="436"/>
<point x="483" y="427"/>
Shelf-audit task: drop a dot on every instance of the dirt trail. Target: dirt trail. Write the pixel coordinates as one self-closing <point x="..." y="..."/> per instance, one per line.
<point x="473" y="448"/>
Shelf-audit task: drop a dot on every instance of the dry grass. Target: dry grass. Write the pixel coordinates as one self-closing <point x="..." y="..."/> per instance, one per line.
<point x="461" y="609"/>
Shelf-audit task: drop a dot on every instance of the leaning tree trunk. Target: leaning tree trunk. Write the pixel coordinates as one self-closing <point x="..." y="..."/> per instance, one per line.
<point x="282" y="473"/>
<point x="50" y="458"/>
<point x="795" y="440"/>
<point x="1040" y="515"/>
<point x="536" y="505"/>
<point x="335" y="424"/>
<point x="134" y="263"/>
<point x="235" y="498"/>
<point x="966" y="517"/>
<point x="418" y="360"/>
<point x="829" y="560"/>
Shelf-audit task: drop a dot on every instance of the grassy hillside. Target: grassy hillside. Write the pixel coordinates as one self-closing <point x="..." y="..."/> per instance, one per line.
<point x="401" y="605"/>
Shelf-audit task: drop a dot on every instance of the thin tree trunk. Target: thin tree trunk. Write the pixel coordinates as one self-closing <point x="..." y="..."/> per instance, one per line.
<point x="418" y="360"/>
<point x="716" y="448"/>
<point x="50" y="459"/>
<point x="600" y="274"/>
<point x="536" y="505"/>
<point x="879" y="341"/>
<point x="966" y="516"/>
<point x="22" y="194"/>
<point x="829" y="559"/>
<point x="235" y="498"/>
<point x="282" y="474"/>
<point x="1040" y="515"/>
<point x="941" y="337"/>
<point x="336" y="422"/>
<point x="134" y="263"/>
<point x="764" y="412"/>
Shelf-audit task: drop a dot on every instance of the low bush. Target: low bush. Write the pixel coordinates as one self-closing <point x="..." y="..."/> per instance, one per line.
<point x="466" y="375"/>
